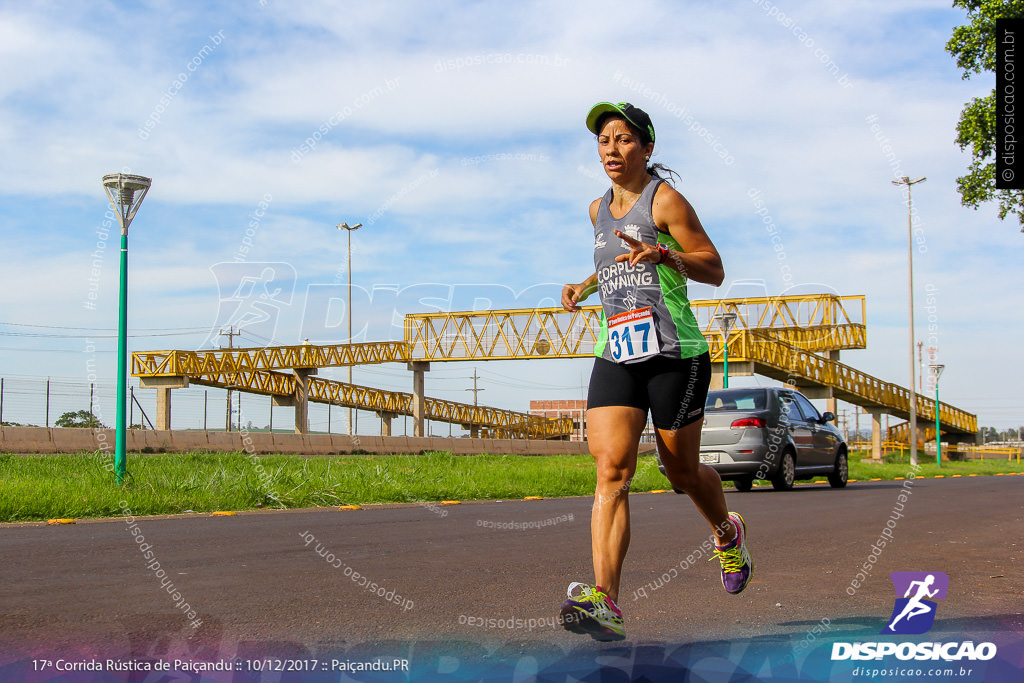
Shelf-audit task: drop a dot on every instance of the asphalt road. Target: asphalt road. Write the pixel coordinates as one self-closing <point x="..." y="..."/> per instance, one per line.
<point x="258" y="585"/>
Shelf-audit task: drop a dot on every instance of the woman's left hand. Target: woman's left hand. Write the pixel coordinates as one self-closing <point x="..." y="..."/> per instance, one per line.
<point x="638" y="251"/>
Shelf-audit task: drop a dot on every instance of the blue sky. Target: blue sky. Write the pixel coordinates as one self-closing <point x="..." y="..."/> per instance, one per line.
<point x="455" y="134"/>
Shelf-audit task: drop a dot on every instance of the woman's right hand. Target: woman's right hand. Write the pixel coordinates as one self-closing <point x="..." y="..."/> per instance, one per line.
<point x="571" y="295"/>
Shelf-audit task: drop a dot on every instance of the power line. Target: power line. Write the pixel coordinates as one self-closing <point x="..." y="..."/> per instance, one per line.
<point x="102" y="329"/>
<point x="41" y="335"/>
<point x="78" y="351"/>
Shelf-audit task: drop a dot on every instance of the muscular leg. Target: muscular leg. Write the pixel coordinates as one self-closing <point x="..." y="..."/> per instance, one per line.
<point x="614" y="434"/>
<point x="680" y="451"/>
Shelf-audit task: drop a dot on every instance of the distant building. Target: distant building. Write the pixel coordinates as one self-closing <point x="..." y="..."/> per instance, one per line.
<point x="576" y="409"/>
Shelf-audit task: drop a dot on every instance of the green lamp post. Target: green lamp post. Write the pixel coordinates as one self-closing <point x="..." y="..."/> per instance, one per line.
<point x="725" y="321"/>
<point x="126" y="193"/>
<point x="937" y="369"/>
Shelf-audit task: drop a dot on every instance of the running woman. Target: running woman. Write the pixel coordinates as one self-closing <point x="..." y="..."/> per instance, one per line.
<point x="651" y="356"/>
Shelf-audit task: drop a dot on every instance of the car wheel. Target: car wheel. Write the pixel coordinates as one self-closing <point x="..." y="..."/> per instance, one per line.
<point x="837" y="479"/>
<point x="743" y="484"/>
<point x="786" y="474"/>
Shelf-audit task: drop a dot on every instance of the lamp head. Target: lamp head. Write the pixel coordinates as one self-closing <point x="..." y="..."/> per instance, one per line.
<point x="126" y="192"/>
<point x="905" y="180"/>
<point x="725" y="320"/>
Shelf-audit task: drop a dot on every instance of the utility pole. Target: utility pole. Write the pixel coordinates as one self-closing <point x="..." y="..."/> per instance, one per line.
<point x="474" y="389"/>
<point x="348" y="311"/>
<point x="230" y="334"/>
<point x="912" y="421"/>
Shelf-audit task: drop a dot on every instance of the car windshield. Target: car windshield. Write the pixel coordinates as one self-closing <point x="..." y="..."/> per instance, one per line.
<point x="735" y="399"/>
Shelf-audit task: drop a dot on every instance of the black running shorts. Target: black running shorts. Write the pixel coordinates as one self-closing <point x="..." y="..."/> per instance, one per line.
<point x="673" y="390"/>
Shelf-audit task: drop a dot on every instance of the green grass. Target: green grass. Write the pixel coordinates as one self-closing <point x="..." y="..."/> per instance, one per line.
<point x="80" y="486"/>
<point x="898" y="465"/>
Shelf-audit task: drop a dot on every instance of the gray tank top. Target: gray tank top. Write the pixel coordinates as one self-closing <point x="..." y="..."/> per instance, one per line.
<point x="624" y="288"/>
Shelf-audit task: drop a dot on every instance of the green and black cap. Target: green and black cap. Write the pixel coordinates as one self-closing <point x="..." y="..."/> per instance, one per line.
<point x="638" y="117"/>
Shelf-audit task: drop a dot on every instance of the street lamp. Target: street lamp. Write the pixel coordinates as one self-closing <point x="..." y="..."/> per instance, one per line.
<point x="349" y="228"/>
<point x="912" y="425"/>
<point x="937" y="369"/>
<point x="125" y="193"/>
<point x="725" y="321"/>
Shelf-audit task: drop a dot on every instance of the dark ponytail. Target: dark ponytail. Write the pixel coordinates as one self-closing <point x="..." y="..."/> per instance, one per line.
<point x="656" y="170"/>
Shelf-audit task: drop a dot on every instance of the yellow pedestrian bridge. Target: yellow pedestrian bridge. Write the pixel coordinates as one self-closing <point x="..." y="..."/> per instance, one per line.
<point x="794" y="339"/>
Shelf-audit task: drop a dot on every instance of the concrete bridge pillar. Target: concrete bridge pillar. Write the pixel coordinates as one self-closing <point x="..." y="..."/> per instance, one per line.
<point x="736" y="369"/>
<point x="876" y="433"/>
<point x="301" y="399"/>
<point x="832" y="404"/>
<point x="717" y="377"/>
<point x="163" y="386"/>
<point x="385" y="423"/>
<point x="418" y="368"/>
<point x="163" y="408"/>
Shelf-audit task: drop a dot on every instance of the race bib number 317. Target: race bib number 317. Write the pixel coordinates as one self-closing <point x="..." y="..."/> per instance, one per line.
<point x="631" y="335"/>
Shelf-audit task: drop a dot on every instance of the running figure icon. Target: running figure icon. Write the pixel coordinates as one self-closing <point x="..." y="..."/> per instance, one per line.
<point x="915" y="607"/>
<point x="916" y="601"/>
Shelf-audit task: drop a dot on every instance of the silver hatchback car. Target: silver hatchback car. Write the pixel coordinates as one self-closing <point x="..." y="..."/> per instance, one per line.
<point x="772" y="433"/>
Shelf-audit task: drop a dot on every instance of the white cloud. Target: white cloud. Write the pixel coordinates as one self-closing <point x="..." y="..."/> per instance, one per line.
<point x="435" y="104"/>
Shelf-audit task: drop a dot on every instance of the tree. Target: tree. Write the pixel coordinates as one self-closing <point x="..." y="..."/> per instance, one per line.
<point x="974" y="47"/>
<point x="79" y="418"/>
<point x="990" y="434"/>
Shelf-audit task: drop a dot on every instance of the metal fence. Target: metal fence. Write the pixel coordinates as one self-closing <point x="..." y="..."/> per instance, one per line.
<point x="951" y="450"/>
